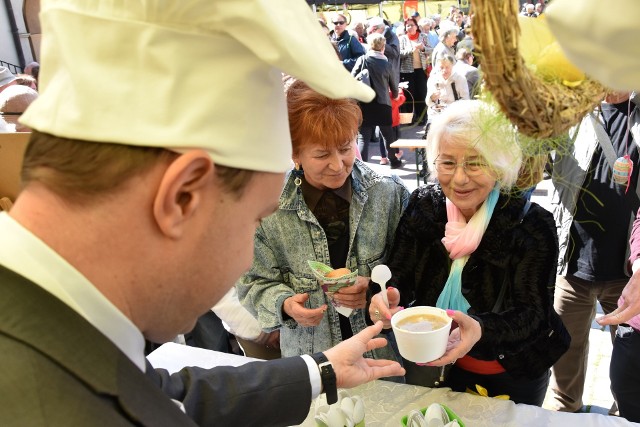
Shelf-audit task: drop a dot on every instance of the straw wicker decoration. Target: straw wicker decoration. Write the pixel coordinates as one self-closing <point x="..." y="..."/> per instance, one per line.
<point x="539" y="109"/>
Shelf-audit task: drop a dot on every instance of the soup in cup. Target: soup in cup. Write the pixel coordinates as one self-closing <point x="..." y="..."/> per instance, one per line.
<point x="421" y="332"/>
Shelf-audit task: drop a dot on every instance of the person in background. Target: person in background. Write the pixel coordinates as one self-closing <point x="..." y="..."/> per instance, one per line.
<point x="458" y="20"/>
<point x="529" y="11"/>
<point x="7" y="78"/>
<point x="448" y="39"/>
<point x="445" y="86"/>
<point x="395" y="126"/>
<point x="358" y="28"/>
<point x="414" y="49"/>
<point x="349" y="47"/>
<point x="467" y="43"/>
<point x="333" y="209"/>
<point x="138" y="219"/>
<point x="593" y="215"/>
<point x="377" y="112"/>
<point x="27" y="80"/>
<point x="467" y="244"/>
<point x="391" y="46"/>
<point x="436" y="20"/>
<point x="464" y="67"/>
<point x="428" y="26"/>
<point x="33" y="69"/>
<point x="14" y="101"/>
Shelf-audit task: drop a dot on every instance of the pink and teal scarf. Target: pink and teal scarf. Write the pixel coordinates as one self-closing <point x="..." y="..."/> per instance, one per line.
<point x="461" y="239"/>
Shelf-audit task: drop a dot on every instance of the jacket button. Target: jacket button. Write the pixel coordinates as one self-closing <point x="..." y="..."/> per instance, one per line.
<point x="501" y="356"/>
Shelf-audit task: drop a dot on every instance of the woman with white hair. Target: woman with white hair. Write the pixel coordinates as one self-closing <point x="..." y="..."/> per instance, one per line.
<point x="466" y="244"/>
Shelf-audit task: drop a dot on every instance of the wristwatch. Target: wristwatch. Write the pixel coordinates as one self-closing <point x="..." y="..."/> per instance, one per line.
<point x="328" y="377"/>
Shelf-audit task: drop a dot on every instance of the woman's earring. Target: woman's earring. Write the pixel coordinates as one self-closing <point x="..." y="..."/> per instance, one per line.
<point x="298" y="173"/>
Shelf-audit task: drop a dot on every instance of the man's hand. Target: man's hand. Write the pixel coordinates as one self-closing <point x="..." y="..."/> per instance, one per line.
<point x="378" y="309"/>
<point x="294" y="307"/>
<point x="630" y="306"/>
<point x="354" y="296"/>
<point x="461" y="339"/>
<point x="351" y="368"/>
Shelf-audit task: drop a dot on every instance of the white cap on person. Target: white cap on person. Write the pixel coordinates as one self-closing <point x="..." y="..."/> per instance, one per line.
<point x="192" y="74"/>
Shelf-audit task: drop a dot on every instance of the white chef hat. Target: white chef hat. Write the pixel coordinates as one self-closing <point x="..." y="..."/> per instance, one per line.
<point x="183" y="74"/>
<point x="600" y="38"/>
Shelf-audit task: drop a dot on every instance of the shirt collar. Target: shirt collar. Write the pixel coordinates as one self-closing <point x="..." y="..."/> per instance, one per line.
<point x="27" y="255"/>
<point x="312" y="195"/>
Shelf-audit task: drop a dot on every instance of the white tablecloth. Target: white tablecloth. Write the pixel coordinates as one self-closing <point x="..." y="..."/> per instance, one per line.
<point x="386" y="403"/>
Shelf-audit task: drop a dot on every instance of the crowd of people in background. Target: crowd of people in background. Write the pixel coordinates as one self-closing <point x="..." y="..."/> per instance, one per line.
<point x="415" y="48"/>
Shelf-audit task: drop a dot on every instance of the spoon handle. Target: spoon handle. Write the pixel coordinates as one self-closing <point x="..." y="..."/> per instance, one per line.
<point x="383" y="287"/>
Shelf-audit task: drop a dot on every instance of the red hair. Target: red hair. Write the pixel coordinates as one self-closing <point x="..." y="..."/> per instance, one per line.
<point x="316" y="119"/>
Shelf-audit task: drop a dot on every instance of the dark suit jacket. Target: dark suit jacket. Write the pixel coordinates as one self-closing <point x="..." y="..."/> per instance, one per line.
<point x="56" y="369"/>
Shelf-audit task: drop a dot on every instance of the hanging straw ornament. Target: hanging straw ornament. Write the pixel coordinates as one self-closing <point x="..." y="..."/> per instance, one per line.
<point x="622" y="170"/>
<point x="540" y="107"/>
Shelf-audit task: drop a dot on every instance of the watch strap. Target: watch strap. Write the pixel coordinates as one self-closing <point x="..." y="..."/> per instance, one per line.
<point x="328" y="377"/>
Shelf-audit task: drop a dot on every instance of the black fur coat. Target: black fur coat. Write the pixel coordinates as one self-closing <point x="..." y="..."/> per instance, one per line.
<point x="524" y="334"/>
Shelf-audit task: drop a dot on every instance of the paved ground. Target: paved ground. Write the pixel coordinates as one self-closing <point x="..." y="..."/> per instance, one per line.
<point x="597" y="395"/>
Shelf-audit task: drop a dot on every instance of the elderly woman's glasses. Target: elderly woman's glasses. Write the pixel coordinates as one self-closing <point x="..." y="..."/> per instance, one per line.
<point x="338" y="22"/>
<point x="470" y="167"/>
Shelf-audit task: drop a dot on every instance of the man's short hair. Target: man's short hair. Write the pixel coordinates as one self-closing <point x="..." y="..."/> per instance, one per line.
<point x="80" y="171"/>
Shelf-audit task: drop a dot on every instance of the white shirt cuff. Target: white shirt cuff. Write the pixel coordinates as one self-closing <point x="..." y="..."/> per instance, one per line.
<point x="314" y="375"/>
<point x="635" y="266"/>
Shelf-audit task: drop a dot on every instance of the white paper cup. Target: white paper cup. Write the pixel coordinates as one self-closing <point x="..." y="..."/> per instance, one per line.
<point x="422" y="346"/>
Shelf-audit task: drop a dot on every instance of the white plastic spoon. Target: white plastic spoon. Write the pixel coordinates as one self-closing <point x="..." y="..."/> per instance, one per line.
<point x="381" y="275"/>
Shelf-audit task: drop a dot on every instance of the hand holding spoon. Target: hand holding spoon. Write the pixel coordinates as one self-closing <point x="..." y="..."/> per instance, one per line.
<point x="381" y="275"/>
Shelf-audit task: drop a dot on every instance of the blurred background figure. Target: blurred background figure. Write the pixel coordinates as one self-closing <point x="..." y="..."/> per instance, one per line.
<point x="358" y="28"/>
<point x="414" y="49"/>
<point x="445" y="86"/>
<point x="392" y="44"/>
<point x="464" y="67"/>
<point x="14" y="101"/>
<point x="33" y="69"/>
<point x="349" y="47"/>
<point x="27" y="80"/>
<point x="378" y="111"/>
<point x="6" y="78"/>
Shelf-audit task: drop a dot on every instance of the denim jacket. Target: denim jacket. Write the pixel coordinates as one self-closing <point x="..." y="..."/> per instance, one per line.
<point x="292" y="235"/>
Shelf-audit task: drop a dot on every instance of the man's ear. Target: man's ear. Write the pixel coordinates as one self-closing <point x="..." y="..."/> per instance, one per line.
<point x="181" y="190"/>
